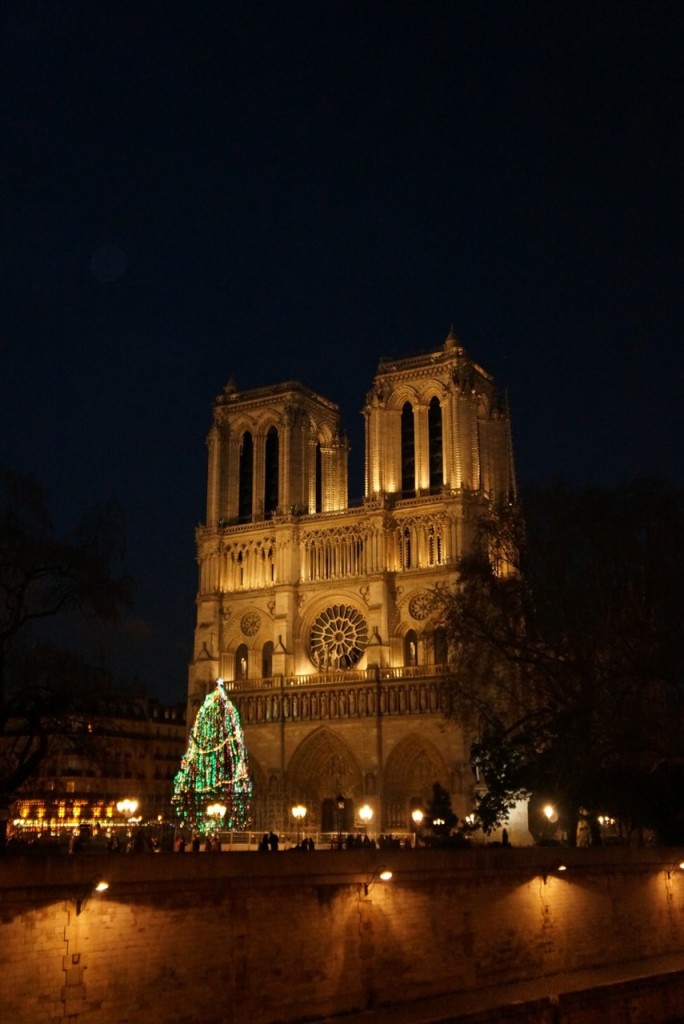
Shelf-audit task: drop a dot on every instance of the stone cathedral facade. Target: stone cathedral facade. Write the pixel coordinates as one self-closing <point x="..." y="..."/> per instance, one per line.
<point x="317" y="615"/>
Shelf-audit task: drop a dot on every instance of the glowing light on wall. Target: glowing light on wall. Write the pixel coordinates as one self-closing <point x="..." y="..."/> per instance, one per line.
<point x="366" y="814"/>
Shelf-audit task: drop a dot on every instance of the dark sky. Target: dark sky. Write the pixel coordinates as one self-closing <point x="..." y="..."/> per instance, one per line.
<point x="293" y="190"/>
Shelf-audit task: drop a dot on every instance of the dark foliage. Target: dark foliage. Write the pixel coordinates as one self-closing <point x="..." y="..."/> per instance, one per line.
<point x="567" y="658"/>
<point x="50" y="586"/>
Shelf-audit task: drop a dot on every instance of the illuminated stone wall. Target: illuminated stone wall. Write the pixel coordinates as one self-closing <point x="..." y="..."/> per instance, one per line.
<point x="238" y="938"/>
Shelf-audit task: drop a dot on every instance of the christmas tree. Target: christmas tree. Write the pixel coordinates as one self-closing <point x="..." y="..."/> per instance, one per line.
<point x="214" y="775"/>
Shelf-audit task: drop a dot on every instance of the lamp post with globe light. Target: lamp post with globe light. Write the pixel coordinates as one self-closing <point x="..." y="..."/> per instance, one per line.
<point x="127" y="808"/>
<point x="339" y="800"/>
<point x="366" y="816"/>
<point x="216" y="813"/>
<point x="298" y="813"/>
<point x="417" y="817"/>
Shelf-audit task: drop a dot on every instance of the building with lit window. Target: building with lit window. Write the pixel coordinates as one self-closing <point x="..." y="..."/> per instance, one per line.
<point x="126" y="753"/>
<point x="318" y="615"/>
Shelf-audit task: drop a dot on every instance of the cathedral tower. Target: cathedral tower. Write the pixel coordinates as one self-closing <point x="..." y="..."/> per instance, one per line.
<point x="318" y="615"/>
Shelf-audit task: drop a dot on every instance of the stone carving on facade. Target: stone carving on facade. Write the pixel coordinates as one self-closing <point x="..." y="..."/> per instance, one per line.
<point x="421" y="605"/>
<point x="338" y="637"/>
<point x="250" y="623"/>
<point x="337" y="703"/>
<point x="370" y="783"/>
<point x="205" y="654"/>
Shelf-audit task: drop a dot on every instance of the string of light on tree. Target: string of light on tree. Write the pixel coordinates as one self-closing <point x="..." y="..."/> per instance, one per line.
<point x="214" y="768"/>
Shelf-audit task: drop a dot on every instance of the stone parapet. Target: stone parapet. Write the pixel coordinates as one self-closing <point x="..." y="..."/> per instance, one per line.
<point x="259" y="938"/>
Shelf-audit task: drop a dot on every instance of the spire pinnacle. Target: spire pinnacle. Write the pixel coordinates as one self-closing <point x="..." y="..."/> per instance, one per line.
<point x="452" y="340"/>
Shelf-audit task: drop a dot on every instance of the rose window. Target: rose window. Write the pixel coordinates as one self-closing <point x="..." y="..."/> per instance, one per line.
<point x="421" y="605"/>
<point x="338" y="637"/>
<point x="250" y="623"/>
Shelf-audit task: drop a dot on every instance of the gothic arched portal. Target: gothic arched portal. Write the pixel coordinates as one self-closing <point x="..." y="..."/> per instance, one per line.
<point x="411" y="769"/>
<point x="322" y="768"/>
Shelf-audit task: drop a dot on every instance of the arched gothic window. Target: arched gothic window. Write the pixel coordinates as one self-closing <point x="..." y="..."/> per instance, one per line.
<point x="267" y="660"/>
<point x="440" y="646"/>
<point x="271" y="466"/>
<point x="245" y="478"/>
<point x="435" y="445"/>
<point x="319" y="479"/>
<point x="406" y="549"/>
<point x="408" y="453"/>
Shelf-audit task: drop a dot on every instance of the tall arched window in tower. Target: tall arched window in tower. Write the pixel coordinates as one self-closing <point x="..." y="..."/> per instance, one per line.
<point x="411" y="648"/>
<point x="271" y="466"/>
<point x="319" y="479"/>
<point x="241" y="662"/>
<point x="441" y="648"/>
<point x="245" y="480"/>
<point x="435" y="445"/>
<point x="267" y="660"/>
<point x="405" y="548"/>
<point x="408" y="453"/>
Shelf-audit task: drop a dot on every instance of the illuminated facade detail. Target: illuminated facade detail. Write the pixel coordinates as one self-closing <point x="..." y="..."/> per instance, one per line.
<point x="317" y="613"/>
<point x="250" y="623"/>
<point x="338" y="637"/>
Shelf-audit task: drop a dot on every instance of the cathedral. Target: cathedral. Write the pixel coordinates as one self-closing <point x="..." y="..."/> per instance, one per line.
<point x="317" y="614"/>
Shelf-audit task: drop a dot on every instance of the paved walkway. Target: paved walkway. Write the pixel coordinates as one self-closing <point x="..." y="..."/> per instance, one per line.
<point x="460" y="1005"/>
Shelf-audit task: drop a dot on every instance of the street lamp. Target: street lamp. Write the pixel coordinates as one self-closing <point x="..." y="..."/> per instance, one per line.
<point x="299" y="813"/>
<point x="216" y="813"/>
<point x="340" y="812"/>
<point x="366" y="815"/>
<point x="127" y="807"/>
<point x="417" y="816"/>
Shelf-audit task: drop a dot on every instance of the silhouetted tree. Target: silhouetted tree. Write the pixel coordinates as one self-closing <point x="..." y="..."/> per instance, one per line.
<point x="567" y="659"/>
<point x="48" y="584"/>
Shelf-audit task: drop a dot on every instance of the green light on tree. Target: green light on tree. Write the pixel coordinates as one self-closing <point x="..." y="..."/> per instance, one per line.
<point x="214" y="768"/>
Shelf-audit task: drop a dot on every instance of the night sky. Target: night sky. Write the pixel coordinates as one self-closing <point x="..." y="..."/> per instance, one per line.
<point x="294" y="190"/>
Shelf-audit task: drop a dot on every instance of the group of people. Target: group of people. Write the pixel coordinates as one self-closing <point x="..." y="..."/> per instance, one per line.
<point x="136" y="842"/>
<point x="306" y="844"/>
<point x="268" y="843"/>
<point x="352" y="842"/>
<point x="212" y="844"/>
